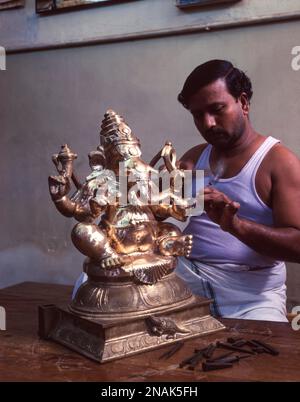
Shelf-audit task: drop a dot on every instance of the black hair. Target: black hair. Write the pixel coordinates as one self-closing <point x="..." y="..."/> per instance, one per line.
<point x="236" y="80"/>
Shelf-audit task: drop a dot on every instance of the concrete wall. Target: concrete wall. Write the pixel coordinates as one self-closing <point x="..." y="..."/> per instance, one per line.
<point x="23" y="29"/>
<point x="59" y="96"/>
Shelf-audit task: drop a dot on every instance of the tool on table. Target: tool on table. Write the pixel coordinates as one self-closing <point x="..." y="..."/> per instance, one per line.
<point x="174" y="349"/>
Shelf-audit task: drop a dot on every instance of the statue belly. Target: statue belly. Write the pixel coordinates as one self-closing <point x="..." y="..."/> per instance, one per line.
<point x="133" y="238"/>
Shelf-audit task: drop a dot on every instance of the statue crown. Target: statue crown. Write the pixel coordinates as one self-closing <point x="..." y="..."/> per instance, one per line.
<point x="115" y="131"/>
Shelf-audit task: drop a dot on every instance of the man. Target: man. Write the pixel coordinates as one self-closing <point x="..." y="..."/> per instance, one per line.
<point x="251" y="222"/>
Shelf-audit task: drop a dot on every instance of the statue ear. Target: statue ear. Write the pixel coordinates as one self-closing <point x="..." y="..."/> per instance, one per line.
<point x="97" y="159"/>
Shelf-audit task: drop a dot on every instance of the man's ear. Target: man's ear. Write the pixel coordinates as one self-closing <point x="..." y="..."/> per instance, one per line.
<point x="244" y="103"/>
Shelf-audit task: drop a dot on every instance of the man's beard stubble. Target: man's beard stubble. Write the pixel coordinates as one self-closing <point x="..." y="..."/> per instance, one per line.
<point x="220" y="138"/>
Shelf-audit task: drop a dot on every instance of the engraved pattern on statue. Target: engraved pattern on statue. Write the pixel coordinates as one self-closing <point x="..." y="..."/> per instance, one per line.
<point x="137" y="342"/>
<point x="153" y="298"/>
<point x="151" y="275"/>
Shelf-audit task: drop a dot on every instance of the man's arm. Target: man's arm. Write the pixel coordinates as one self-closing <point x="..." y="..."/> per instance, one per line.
<point x="281" y="241"/>
<point x="190" y="158"/>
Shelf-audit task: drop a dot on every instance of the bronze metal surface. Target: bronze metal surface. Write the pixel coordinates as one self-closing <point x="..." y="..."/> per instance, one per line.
<point x="132" y="292"/>
<point x="105" y="341"/>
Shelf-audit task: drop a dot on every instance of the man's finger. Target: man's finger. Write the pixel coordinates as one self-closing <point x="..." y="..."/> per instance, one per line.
<point x="214" y="191"/>
<point x="232" y="207"/>
<point x="217" y="198"/>
<point x="236" y="205"/>
<point x="208" y="190"/>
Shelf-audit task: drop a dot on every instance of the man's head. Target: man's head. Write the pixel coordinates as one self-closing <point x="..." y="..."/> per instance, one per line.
<point x="218" y="96"/>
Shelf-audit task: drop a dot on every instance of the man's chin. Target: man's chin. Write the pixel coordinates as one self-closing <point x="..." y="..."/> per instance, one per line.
<point x="221" y="143"/>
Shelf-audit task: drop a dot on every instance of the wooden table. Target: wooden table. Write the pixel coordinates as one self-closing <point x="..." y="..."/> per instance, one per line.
<point x="25" y="357"/>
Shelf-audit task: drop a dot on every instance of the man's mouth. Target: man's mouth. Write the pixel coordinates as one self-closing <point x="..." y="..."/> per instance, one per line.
<point x="216" y="134"/>
<point x="217" y="138"/>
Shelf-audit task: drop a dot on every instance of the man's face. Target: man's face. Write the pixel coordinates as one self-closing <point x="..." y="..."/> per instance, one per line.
<point x="218" y="116"/>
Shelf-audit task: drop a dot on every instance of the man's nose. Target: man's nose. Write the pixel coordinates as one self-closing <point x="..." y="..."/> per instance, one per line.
<point x="208" y="121"/>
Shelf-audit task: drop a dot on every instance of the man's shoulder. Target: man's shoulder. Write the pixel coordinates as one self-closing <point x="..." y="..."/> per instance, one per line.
<point x="190" y="158"/>
<point x="281" y="153"/>
<point x="281" y="160"/>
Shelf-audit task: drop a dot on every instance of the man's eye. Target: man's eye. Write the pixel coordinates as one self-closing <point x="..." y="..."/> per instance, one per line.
<point x="219" y="109"/>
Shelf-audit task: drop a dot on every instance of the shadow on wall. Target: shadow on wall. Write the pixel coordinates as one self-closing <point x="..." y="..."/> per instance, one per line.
<point x="29" y="263"/>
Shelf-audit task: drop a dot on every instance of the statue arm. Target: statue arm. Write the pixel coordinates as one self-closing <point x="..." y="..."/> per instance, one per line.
<point x="59" y="187"/>
<point x="176" y="207"/>
<point x="72" y="209"/>
<point x="164" y="211"/>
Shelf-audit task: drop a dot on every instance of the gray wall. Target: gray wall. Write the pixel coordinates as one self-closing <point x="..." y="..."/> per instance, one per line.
<point x="23" y="29"/>
<point x="59" y="96"/>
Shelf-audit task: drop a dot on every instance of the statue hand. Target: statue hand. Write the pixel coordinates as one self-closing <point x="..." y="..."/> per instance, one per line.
<point x="181" y="208"/>
<point x="59" y="186"/>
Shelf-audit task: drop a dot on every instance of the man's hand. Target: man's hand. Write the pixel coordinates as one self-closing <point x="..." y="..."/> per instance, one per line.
<point x="221" y="209"/>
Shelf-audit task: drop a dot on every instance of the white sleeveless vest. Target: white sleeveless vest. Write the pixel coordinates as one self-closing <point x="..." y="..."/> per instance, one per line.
<point x="210" y="243"/>
<point x="243" y="283"/>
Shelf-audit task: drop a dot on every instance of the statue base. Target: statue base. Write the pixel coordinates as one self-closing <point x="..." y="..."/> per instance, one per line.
<point x="105" y="340"/>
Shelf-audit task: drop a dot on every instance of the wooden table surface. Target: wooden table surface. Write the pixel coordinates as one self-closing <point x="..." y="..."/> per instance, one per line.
<point x="25" y="357"/>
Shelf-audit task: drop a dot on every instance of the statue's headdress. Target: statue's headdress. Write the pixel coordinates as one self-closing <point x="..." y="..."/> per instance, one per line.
<point x="115" y="131"/>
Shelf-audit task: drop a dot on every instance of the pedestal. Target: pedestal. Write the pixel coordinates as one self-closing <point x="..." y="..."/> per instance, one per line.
<point x="113" y="336"/>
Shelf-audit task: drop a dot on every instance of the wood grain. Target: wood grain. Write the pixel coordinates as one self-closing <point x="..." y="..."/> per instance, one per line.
<point x="25" y="357"/>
